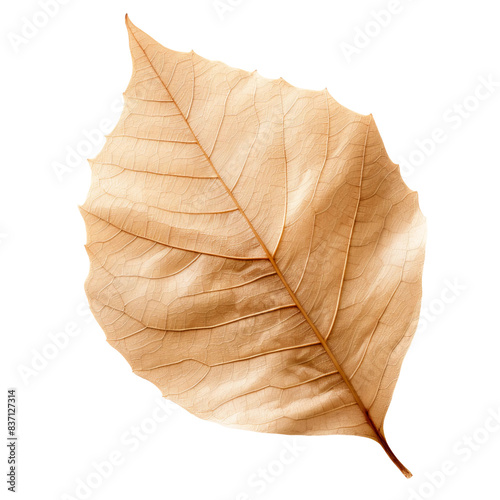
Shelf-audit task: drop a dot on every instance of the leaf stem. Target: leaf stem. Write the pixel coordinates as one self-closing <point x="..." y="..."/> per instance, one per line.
<point x="393" y="457"/>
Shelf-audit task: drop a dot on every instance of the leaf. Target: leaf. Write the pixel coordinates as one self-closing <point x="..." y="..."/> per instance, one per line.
<point x="254" y="252"/>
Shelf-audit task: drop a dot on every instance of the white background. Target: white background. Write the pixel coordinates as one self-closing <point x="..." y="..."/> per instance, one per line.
<point x="414" y="74"/>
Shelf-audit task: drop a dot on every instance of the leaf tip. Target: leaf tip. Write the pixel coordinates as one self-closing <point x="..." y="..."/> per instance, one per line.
<point x="129" y="24"/>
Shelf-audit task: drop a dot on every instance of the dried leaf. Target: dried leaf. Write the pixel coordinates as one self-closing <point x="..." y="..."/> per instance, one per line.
<point x="254" y="252"/>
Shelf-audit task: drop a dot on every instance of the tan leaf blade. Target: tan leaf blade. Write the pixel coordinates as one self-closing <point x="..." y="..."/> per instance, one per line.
<point x="254" y="252"/>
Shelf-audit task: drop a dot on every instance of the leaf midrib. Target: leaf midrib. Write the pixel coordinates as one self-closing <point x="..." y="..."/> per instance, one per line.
<point x="378" y="433"/>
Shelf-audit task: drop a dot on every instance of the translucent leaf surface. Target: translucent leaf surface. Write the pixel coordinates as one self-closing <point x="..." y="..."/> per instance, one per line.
<point x="254" y="252"/>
